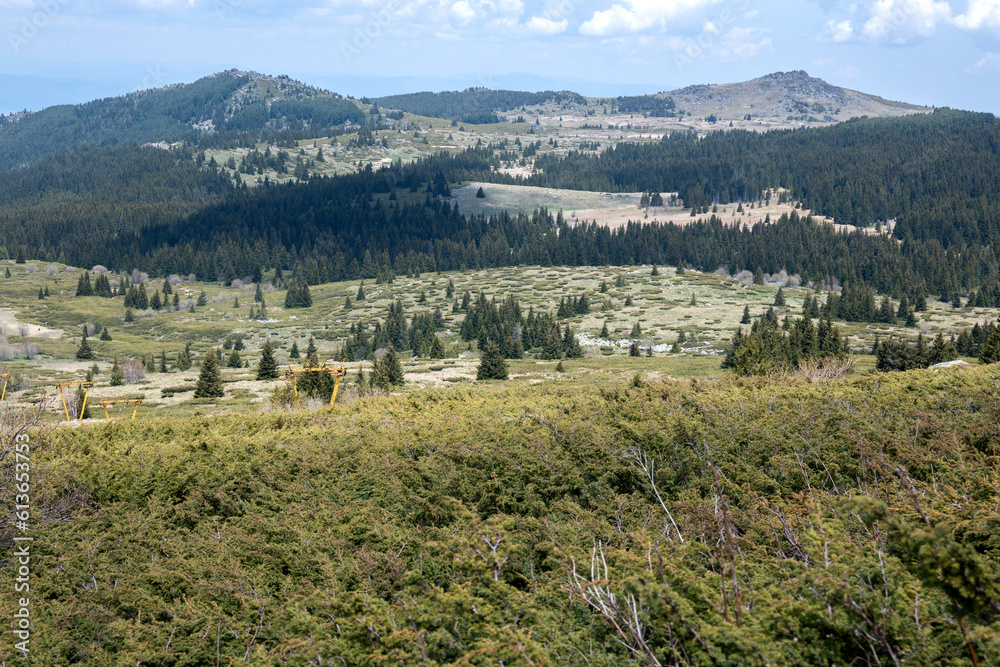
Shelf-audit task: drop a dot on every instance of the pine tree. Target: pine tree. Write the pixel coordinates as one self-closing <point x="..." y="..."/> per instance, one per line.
<point x="361" y="292"/>
<point x="83" y="286"/>
<point x="312" y="353"/>
<point x="155" y="302"/>
<point x="267" y="368"/>
<point x="84" y="351"/>
<point x="449" y="291"/>
<point x="184" y="358"/>
<point x="117" y="374"/>
<point x="168" y="289"/>
<point x="437" y="349"/>
<point x="492" y="365"/>
<point x="393" y="367"/>
<point x="209" y="380"/>
<point x="234" y="360"/>
<point x="202" y="299"/>
<point x="41" y="293"/>
<point x="694" y="301"/>
<point x="605" y="334"/>
<point x="105" y="334"/>
<point x="380" y="376"/>
<point x="746" y="315"/>
<point x="629" y="302"/>
<point x="779" y="298"/>
<point x="258" y="295"/>
<point x="655" y="271"/>
<point x="163" y="361"/>
<point x="150" y="363"/>
<point x="177" y="301"/>
<point x="294" y="352"/>
<point x="83" y="408"/>
<point x="633" y="349"/>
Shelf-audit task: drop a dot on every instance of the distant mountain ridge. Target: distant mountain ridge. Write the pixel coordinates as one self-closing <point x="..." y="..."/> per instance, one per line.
<point x="230" y="101"/>
<point x="791" y="95"/>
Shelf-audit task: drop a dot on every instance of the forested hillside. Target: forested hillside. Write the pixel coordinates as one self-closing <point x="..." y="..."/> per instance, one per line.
<point x="458" y="105"/>
<point x="233" y="102"/>
<point x="736" y="522"/>
<point x="933" y="173"/>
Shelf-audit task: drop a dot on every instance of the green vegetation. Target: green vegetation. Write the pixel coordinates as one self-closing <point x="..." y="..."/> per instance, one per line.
<point x="785" y="522"/>
<point x="473" y="102"/>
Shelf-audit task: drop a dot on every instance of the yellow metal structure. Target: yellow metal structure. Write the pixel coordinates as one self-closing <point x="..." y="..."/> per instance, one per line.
<point x="82" y="385"/>
<point x="337" y="373"/>
<point x="6" y="378"/>
<point x="136" y="402"/>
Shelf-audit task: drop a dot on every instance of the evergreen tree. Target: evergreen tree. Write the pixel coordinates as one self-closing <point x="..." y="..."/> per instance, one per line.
<point x="492" y="365"/>
<point x="149" y="361"/>
<point x="655" y="271"/>
<point x="41" y="293"/>
<point x="105" y="334"/>
<point x="393" y="367"/>
<point x="177" y="301"/>
<point x="312" y="352"/>
<point x="155" y="302"/>
<point x="209" y="379"/>
<point x="163" y="361"/>
<point x="168" y="289"/>
<point x="746" y="315"/>
<point x="267" y="368"/>
<point x="779" y="298"/>
<point x="605" y="334"/>
<point x="184" y="358"/>
<point x="380" y="376"/>
<point x="83" y="286"/>
<point x="117" y="374"/>
<point x="258" y="295"/>
<point x="361" y="292"/>
<point x="294" y="352"/>
<point x="573" y="348"/>
<point x="84" y="351"/>
<point x="449" y="291"/>
<point x="633" y="349"/>
<point x="234" y="360"/>
<point x="989" y="351"/>
<point x="437" y="349"/>
<point x="83" y="408"/>
<point x="202" y="299"/>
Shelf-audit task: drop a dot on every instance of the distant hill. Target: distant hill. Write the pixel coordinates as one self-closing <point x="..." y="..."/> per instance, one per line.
<point x="469" y="105"/>
<point x="231" y="101"/>
<point x="793" y="96"/>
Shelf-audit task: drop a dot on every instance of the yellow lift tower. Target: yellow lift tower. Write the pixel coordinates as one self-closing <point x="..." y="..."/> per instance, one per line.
<point x="135" y="402"/>
<point x="6" y="378"/>
<point x="83" y="385"/>
<point x="337" y="373"/>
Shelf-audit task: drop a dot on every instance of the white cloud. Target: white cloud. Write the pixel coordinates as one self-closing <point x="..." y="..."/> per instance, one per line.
<point x="990" y="62"/>
<point x="462" y="12"/>
<point x="711" y="27"/>
<point x="511" y="6"/>
<point x="900" y="21"/>
<point x="639" y="15"/>
<point x="543" y="26"/>
<point x="980" y="15"/>
<point x="840" y="31"/>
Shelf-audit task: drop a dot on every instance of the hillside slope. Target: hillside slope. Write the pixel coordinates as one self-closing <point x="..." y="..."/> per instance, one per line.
<point x="789" y="95"/>
<point x="231" y="101"/>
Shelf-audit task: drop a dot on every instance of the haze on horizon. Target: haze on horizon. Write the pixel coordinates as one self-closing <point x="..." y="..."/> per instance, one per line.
<point x="940" y="53"/>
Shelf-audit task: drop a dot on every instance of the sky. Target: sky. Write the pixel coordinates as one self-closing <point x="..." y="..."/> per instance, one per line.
<point x="932" y="52"/>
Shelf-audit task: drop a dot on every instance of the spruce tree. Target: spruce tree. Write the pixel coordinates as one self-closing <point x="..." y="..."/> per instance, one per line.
<point x="82" y="408"/>
<point x="117" y="374"/>
<point x="105" y="334"/>
<point x="605" y="334"/>
<point x="84" y="351"/>
<point x="209" y="379"/>
<point x="202" y="299"/>
<point x="746" y="315"/>
<point x="492" y="365"/>
<point x="437" y="349"/>
<point x="312" y="353"/>
<point x="168" y="289"/>
<point x="83" y="286"/>
<point x="361" y="292"/>
<point x="294" y="353"/>
<point x="234" y="360"/>
<point x="779" y="298"/>
<point x="393" y="367"/>
<point x="163" y="361"/>
<point x="41" y="293"/>
<point x="267" y="368"/>
<point x="258" y="295"/>
<point x="633" y="349"/>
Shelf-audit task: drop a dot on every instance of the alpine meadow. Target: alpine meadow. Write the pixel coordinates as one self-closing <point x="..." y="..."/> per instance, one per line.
<point x="507" y="374"/>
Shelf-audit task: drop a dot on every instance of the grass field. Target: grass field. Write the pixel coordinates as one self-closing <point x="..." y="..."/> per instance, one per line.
<point x="707" y="308"/>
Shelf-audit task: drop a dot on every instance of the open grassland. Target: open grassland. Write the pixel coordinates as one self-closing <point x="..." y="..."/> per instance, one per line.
<point x="700" y="523"/>
<point x="706" y="308"/>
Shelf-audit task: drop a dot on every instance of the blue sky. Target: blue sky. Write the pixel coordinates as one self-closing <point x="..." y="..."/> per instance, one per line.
<point x="935" y="52"/>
